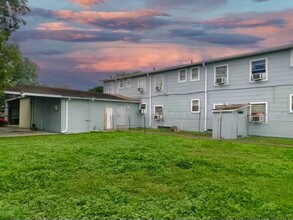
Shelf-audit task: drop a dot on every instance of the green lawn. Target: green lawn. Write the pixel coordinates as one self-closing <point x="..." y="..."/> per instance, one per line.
<point x="136" y="175"/>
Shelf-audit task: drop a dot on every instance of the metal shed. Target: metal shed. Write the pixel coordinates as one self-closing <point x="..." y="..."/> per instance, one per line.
<point x="230" y="121"/>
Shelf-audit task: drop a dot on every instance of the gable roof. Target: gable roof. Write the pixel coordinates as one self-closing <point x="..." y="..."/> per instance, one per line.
<point x="203" y="62"/>
<point x="53" y="92"/>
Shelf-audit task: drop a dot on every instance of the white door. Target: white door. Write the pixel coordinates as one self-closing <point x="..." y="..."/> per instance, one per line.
<point x="109" y="118"/>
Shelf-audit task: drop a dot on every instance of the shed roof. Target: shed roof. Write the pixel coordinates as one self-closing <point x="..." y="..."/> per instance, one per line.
<point x="44" y="91"/>
<point x="208" y="61"/>
<point x="230" y="107"/>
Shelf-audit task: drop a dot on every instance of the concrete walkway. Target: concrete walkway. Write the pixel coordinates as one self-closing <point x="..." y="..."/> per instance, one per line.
<point x="15" y="131"/>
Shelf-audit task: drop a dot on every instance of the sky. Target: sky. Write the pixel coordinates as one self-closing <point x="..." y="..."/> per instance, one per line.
<point x="78" y="43"/>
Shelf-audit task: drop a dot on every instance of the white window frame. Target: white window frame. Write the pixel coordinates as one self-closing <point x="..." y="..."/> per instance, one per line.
<point x="191" y="102"/>
<point x="198" y="76"/>
<point x="158" y="106"/>
<point x="128" y="83"/>
<point x="112" y="89"/>
<point x="185" y="74"/>
<point x="138" y="84"/>
<point x="215" y="75"/>
<point x="146" y="107"/>
<point x="290" y="103"/>
<point x="119" y="85"/>
<point x="250" y="70"/>
<point x="163" y="82"/>
<point x="266" y="113"/>
<point x="291" y="57"/>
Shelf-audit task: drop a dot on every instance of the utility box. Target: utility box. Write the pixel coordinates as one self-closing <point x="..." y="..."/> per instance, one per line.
<point x="230" y="121"/>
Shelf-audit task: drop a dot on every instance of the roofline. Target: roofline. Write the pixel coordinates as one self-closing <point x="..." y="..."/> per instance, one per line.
<point x="27" y="94"/>
<point x="220" y="59"/>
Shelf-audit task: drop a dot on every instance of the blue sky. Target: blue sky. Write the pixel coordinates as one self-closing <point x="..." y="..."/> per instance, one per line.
<point x="76" y="43"/>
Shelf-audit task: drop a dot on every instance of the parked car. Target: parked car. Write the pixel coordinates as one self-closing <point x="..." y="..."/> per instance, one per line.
<point x="3" y="121"/>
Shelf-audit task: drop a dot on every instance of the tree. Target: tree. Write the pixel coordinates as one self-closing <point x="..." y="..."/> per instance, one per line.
<point x="10" y="15"/>
<point x="14" y="68"/>
<point x="98" y="89"/>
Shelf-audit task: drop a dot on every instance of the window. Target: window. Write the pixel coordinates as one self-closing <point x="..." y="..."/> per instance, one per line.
<point x="291" y="103"/>
<point x="258" y="70"/>
<point x="159" y="83"/>
<point x="143" y="108"/>
<point x="121" y="84"/>
<point x="221" y="75"/>
<point x="128" y="82"/>
<point x="194" y="74"/>
<point x="258" y="112"/>
<point x="111" y="88"/>
<point x="195" y="106"/>
<point x="182" y="76"/>
<point x="158" y="110"/>
<point x="141" y="85"/>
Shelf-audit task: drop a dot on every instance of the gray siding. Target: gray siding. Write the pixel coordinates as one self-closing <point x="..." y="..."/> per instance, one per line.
<point x="176" y="97"/>
<point x="87" y="115"/>
<point x="46" y="114"/>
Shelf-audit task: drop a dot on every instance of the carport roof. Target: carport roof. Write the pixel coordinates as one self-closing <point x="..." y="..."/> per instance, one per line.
<point x="44" y="91"/>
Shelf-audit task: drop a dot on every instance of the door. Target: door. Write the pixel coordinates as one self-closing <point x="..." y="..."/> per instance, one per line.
<point x="109" y="123"/>
<point x="120" y="121"/>
<point x="242" y="123"/>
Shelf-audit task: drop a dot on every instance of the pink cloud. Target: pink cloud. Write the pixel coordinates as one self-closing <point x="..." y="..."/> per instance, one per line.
<point x="273" y="35"/>
<point x="87" y="3"/>
<point x="90" y="16"/>
<point x="55" y="26"/>
<point x="130" y="56"/>
<point x="139" y="19"/>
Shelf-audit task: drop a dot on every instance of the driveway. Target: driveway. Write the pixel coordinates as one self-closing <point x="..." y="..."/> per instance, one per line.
<point x="15" y="131"/>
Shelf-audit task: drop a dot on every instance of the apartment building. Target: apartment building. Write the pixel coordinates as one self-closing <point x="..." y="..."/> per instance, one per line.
<point x="188" y="95"/>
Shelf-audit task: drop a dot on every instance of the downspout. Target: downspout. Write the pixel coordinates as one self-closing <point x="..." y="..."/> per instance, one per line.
<point x="205" y="96"/>
<point x="66" y="117"/>
<point x="150" y="101"/>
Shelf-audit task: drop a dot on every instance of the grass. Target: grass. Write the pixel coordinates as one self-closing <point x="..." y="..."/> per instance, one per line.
<point x="136" y="175"/>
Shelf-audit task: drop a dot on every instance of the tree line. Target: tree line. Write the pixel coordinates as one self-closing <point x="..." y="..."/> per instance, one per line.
<point x="14" y="67"/>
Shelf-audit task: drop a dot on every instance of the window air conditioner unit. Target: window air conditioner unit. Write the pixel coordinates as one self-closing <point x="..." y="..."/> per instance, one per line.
<point x="221" y="80"/>
<point x="140" y="90"/>
<point x="141" y="111"/>
<point x="158" y="88"/>
<point x="256" y="77"/>
<point x="257" y="118"/>
<point x="157" y="117"/>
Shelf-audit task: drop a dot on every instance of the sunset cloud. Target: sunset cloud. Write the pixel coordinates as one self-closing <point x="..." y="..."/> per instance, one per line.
<point x="274" y="32"/>
<point x="55" y="26"/>
<point x="200" y="4"/>
<point x="216" y="38"/>
<point x="240" y="22"/>
<point x="127" y="20"/>
<point x="76" y="35"/>
<point x="87" y="3"/>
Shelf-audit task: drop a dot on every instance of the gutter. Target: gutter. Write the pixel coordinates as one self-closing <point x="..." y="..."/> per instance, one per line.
<point x="66" y="117"/>
<point x="23" y="94"/>
<point x="150" y="101"/>
<point x="205" y="96"/>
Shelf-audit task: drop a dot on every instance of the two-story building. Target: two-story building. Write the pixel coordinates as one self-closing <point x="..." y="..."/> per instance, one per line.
<point x="187" y="95"/>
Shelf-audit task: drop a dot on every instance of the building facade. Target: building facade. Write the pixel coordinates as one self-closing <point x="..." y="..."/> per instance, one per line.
<point x="186" y="96"/>
<point x="61" y="110"/>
